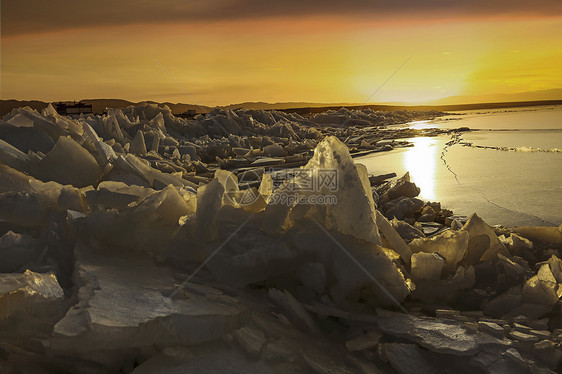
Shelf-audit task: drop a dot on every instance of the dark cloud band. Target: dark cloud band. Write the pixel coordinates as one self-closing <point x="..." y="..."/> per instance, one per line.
<point x="32" y="16"/>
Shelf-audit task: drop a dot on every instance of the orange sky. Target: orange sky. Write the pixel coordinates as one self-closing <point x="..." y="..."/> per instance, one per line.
<point x="313" y="58"/>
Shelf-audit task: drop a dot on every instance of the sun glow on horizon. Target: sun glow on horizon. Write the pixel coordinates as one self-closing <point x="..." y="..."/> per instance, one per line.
<point x="276" y="61"/>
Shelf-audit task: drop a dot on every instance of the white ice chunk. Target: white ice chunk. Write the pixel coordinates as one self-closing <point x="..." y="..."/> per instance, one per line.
<point x="392" y="236"/>
<point x="69" y="163"/>
<point x="165" y="206"/>
<point x="274" y="150"/>
<point x="451" y="245"/>
<point x="19" y="120"/>
<point x="339" y="177"/>
<point x="138" y="147"/>
<point x="228" y="180"/>
<point x="105" y="152"/>
<point x="516" y="243"/>
<point x="209" y="202"/>
<point x="427" y="266"/>
<point x="266" y="186"/>
<point x="13" y="157"/>
<point x="483" y="243"/>
<point x="541" y="288"/>
<point x="251" y="339"/>
<point x="293" y="309"/>
<point x="545" y="234"/>
<point x="158" y="123"/>
<point x="28" y="293"/>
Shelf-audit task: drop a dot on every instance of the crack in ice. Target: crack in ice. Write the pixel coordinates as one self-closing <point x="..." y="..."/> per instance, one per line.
<point x="456" y="138"/>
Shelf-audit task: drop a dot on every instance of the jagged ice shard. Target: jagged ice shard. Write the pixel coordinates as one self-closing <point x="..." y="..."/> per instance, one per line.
<point x="354" y="210"/>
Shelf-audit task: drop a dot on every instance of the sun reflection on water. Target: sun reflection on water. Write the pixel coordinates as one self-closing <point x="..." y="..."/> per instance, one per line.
<point x="420" y="125"/>
<point x="420" y="161"/>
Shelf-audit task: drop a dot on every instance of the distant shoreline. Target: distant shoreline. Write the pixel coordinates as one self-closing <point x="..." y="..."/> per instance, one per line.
<point x="440" y="108"/>
<point x="6" y="106"/>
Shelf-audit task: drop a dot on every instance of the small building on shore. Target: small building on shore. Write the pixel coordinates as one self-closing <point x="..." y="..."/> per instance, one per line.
<point x="190" y="113"/>
<point x="72" y="107"/>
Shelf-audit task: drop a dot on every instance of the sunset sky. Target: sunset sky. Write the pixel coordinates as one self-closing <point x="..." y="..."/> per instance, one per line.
<point x="232" y="51"/>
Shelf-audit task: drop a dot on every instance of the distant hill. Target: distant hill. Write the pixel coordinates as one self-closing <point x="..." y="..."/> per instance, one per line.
<point x="286" y="105"/>
<point x="453" y="103"/>
<point x="98" y="105"/>
<point x="541" y="95"/>
<point x="440" y="108"/>
<point x="180" y="108"/>
<point x="462" y="101"/>
<point x="6" y="106"/>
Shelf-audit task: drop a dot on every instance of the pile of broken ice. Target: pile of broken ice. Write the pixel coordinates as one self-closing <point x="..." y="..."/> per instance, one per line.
<point x="119" y="252"/>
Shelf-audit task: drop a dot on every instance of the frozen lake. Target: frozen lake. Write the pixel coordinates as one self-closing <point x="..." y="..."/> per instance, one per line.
<point x="503" y="187"/>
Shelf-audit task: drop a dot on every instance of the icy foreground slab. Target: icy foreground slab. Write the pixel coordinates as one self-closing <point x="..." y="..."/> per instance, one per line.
<point x="435" y="335"/>
<point x="124" y="303"/>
